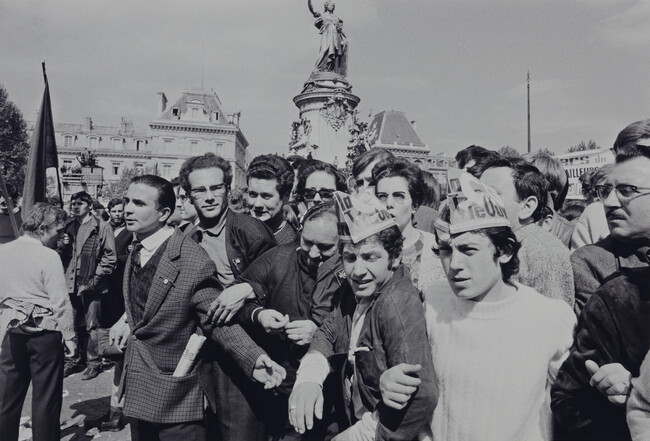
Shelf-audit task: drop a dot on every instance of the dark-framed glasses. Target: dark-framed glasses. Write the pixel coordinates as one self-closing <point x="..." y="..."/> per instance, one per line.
<point x="624" y="192"/>
<point x="325" y="193"/>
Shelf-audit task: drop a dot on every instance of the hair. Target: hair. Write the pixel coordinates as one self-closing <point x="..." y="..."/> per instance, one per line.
<point x="390" y="239"/>
<point x="98" y="206"/>
<point x="320" y="210"/>
<point x="528" y="181"/>
<point x="83" y="197"/>
<point x="632" y="151"/>
<point x="273" y="167"/>
<point x="554" y="173"/>
<point x="504" y="241"/>
<point x="431" y="190"/>
<point x="482" y="162"/>
<point x="310" y="166"/>
<point x="166" y="195"/>
<point x="42" y="214"/>
<point x="631" y="134"/>
<point x="573" y="209"/>
<point x="368" y="157"/>
<point x="295" y="161"/>
<point x="468" y="153"/>
<point x="113" y="202"/>
<point x="400" y="167"/>
<point x="176" y="181"/>
<point x="208" y="160"/>
<point x="237" y="202"/>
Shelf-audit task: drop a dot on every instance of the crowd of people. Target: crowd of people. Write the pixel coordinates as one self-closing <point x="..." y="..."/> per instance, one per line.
<point x="315" y="304"/>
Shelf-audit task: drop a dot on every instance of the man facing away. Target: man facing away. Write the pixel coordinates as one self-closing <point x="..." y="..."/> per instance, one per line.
<point x="88" y="256"/>
<point x="544" y="260"/>
<point x="169" y="285"/>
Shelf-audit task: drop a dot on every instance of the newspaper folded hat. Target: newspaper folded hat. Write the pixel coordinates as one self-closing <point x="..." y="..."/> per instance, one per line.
<point x="360" y="218"/>
<point x="472" y="206"/>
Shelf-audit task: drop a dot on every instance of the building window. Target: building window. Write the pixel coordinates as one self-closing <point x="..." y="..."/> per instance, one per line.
<point x="195" y="113"/>
<point x="215" y="116"/>
<point x="139" y="145"/>
<point x="93" y="143"/>
<point x="176" y="112"/>
<point x="194" y="147"/>
<point x="218" y="148"/>
<point x="116" y="168"/>
<point x="68" y="141"/>
<point x="167" y="147"/>
<point x="139" y="168"/>
<point x="167" y="170"/>
<point x="117" y="144"/>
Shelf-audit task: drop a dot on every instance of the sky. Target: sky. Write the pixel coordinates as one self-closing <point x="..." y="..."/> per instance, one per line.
<point x="456" y="67"/>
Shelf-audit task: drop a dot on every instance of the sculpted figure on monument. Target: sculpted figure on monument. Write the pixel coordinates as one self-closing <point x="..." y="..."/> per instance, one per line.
<point x="333" y="55"/>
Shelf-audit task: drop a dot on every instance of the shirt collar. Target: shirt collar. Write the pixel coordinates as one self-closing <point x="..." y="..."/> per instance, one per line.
<point x="156" y="239"/>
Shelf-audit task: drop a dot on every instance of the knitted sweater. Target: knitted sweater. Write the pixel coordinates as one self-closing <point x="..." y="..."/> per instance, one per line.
<point x="495" y="362"/>
<point x="545" y="263"/>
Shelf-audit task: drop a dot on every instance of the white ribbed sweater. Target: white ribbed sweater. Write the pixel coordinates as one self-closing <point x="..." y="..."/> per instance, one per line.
<point x="495" y="362"/>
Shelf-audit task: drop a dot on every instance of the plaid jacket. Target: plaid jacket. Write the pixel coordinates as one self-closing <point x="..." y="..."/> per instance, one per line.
<point x="183" y="288"/>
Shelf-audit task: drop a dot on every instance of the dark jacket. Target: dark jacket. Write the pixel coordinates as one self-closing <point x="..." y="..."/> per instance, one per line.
<point x="614" y="327"/>
<point x="246" y="239"/>
<point x="595" y="264"/>
<point x="113" y="302"/>
<point x="281" y="281"/>
<point x="393" y="332"/>
<point x="182" y="290"/>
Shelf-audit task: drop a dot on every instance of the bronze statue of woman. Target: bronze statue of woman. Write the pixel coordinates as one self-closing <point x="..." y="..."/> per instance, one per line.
<point x="333" y="55"/>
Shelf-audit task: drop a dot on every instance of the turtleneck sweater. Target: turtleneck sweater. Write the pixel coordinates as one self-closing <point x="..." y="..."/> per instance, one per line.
<point x="495" y="363"/>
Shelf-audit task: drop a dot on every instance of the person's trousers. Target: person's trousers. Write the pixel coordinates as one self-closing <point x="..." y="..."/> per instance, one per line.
<point x="87" y="320"/>
<point x="189" y="431"/>
<point x="37" y="358"/>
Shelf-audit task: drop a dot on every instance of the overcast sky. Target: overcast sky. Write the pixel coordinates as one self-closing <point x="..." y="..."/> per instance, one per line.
<point x="456" y="67"/>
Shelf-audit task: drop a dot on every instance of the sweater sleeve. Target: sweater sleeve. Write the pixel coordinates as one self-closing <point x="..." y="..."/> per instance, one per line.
<point x="638" y="405"/>
<point x="57" y="290"/>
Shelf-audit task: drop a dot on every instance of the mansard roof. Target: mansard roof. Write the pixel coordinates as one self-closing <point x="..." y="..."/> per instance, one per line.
<point x="208" y="98"/>
<point x="392" y="127"/>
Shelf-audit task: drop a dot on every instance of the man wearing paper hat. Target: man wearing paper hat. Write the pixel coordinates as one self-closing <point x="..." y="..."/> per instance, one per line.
<point x="491" y="338"/>
<point x="378" y="323"/>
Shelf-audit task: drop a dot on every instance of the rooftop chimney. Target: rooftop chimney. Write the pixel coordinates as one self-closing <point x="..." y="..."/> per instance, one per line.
<point x="88" y="124"/>
<point x="162" y="102"/>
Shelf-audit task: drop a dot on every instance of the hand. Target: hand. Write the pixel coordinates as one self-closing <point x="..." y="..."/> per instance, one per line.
<point x="301" y="331"/>
<point x="305" y="402"/>
<point x="119" y="334"/>
<point x="272" y="321"/>
<point x="611" y="380"/>
<point x="398" y="384"/>
<point x="224" y="308"/>
<point x="268" y="372"/>
<point x="69" y="348"/>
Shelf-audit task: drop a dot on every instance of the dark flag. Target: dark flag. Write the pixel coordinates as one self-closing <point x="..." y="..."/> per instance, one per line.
<point x="42" y="154"/>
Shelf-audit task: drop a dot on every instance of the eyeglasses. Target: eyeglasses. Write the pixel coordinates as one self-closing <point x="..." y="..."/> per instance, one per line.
<point x="324" y="193"/>
<point x="201" y="192"/>
<point x="399" y="197"/>
<point x="624" y="192"/>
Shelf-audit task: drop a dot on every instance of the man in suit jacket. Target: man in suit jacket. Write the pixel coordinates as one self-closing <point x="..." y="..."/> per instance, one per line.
<point x="169" y="285"/>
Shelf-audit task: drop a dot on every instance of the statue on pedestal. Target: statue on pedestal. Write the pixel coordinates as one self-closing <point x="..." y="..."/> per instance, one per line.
<point x="333" y="54"/>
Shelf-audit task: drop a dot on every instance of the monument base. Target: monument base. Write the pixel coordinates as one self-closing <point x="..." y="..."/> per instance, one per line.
<point x="325" y="106"/>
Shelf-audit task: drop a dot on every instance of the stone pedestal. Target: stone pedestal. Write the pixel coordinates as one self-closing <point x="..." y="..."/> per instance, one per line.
<point x="325" y="106"/>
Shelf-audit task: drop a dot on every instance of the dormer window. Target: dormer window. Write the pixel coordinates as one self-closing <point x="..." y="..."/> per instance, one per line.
<point x="176" y="112"/>
<point x="68" y="141"/>
<point x="93" y="142"/>
<point x="215" y="116"/>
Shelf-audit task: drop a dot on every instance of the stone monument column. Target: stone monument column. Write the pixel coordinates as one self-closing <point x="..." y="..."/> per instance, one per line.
<point x="326" y="103"/>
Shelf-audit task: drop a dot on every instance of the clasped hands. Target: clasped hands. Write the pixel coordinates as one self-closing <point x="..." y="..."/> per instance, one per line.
<point x="299" y="331"/>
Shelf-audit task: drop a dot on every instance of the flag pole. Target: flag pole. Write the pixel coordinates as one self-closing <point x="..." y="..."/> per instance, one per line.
<point x="10" y="205"/>
<point x="528" y="86"/>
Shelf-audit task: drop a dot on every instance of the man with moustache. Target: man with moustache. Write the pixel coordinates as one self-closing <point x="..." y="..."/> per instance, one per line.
<point x="612" y="336"/>
<point x="233" y="241"/>
<point x="270" y="180"/>
<point x="168" y="290"/>
<point x="627" y="245"/>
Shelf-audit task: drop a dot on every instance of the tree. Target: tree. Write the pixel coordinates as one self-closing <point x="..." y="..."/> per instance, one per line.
<point x="14" y="142"/>
<point x="547" y="151"/>
<point x="508" y="152"/>
<point x="581" y="146"/>
<point x="117" y="189"/>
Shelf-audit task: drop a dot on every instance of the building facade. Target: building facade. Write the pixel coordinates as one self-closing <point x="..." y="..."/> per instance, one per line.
<point x="392" y="130"/>
<point x="195" y="124"/>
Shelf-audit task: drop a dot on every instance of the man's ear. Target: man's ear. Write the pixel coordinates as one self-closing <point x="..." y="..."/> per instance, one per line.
<point x="164" y="214"/>
<point x="527" y="207"/>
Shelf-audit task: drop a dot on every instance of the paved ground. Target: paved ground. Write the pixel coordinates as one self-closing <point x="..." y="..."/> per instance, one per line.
<point x="83" y="401"/>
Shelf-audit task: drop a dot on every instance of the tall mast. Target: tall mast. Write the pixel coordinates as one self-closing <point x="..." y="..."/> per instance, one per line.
<point x="528" y="87"/>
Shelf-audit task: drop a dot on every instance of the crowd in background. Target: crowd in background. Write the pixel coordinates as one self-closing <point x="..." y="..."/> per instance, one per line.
<point x="372" y="303"/>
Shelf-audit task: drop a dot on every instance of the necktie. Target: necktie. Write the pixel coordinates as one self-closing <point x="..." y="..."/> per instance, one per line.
<point x="135" y="254"/>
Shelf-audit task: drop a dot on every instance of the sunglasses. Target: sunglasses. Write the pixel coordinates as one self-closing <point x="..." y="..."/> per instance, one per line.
<point x="324" y="193"/>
